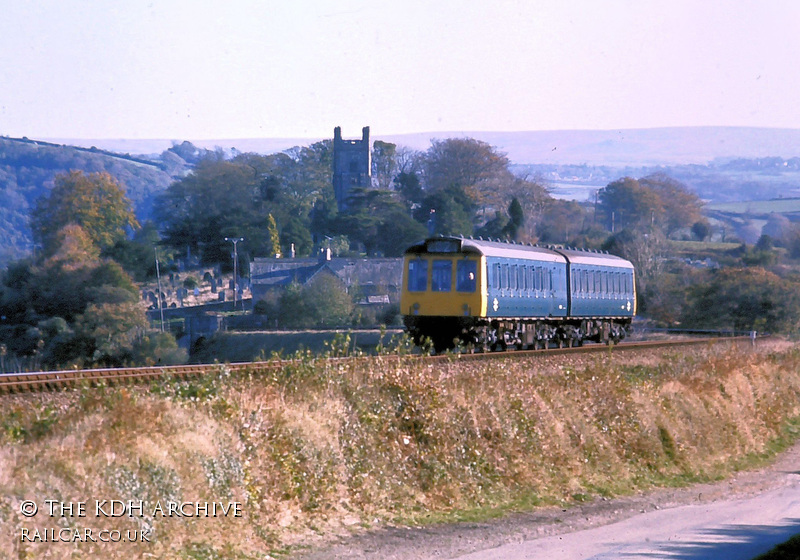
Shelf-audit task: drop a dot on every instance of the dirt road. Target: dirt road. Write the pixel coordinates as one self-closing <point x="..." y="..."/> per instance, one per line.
<point x="736" y="519"/>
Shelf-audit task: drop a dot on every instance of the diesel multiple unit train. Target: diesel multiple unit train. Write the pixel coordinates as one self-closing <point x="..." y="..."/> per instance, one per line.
<point x="491" y="295"/>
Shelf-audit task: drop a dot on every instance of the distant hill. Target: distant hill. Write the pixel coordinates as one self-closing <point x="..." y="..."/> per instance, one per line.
<point x="618" y="148"/>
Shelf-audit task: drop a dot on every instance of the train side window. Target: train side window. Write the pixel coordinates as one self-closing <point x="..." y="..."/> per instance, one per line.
<point x="616" y="282"/>
<point x="604" y="280"/>
<point x="521" y="279"/>
<point x="512" y="277"/>
<point x="496" y="276"/>
<point x="548" y="280"/>
<point x="598" y="288"/>
<point x="504" y="278"/>
<point x="442" y="276"/>
<point x="466" y="275"/>
<point x="417" y="275"/>
<point x="538" y="279"/>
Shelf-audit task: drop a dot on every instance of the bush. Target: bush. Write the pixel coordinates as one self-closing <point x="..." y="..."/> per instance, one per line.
<point x="322" y="303"/>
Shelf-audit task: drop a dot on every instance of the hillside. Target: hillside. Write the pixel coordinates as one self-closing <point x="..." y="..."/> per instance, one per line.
<point x="27" y="169"/>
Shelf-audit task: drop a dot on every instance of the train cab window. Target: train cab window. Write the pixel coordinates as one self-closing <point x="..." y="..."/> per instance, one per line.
<point x="442" y="276"/>
<point x="417" y="275"/>
<point x="466" y="275"/>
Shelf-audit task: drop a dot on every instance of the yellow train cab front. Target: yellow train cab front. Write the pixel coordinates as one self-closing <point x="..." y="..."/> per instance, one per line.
<point x="440" y="285"/>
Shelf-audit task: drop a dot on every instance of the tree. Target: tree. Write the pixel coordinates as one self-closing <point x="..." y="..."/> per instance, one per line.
<point x="295" y="232"/>
<point x="681" y="208"/>
<point x="451" y="211"/>
<point x="410" y="188"/>
<point x="384" y="164"/>
<point x="626" y="204"/>
<point x="72" y="308"/>
<point x="323" y="302"/>
<point x="95" y="202"/>
<point x="745" y="299"/>
<point x="328" y="301"/>
<point x="701" y="229"/>
<point x="644" y="250"/>
<point x="654" y="201"/>
<point x="274" y="237"/>
<point x="516" y="219"/>
<point x="379" y="221"/>
<point x="216" y="201"/>
<point x="470" y="165"/>
<point x="136" y="254"/>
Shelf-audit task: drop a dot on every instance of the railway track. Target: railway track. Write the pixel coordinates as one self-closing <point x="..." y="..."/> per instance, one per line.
<point x="58" y="380"/>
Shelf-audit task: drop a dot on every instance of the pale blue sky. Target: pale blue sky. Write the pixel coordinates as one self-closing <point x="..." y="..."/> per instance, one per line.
<point x="197" y="69"/>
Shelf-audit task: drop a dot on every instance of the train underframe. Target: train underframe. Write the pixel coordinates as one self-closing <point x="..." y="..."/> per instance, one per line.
<point x="484" y="334"/>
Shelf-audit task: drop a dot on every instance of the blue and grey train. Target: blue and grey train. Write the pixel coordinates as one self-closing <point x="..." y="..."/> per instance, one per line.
<point x="492" y="295"/>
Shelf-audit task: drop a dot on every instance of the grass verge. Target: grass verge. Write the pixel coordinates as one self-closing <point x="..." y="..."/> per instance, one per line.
<point x="323" y="449"/>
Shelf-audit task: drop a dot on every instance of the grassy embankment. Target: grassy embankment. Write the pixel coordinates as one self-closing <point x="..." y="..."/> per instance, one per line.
<point x="322" y="449"/>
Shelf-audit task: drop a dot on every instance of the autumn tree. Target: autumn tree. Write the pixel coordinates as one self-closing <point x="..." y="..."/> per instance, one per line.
<point x="470" y="165"/>
<point x="626" y="204"/>
<point x="72" y="308"/>
<point x="653" y="201"/>
<point x="96" y="202"/>
<point x="681" y="208"/>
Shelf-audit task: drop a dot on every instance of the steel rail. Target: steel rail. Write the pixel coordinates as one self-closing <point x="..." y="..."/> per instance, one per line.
<point x="56" y="380"/>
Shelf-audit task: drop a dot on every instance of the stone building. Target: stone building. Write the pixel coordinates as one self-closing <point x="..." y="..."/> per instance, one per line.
<point x="352" y="165"/>
<point x="376" y="280"/>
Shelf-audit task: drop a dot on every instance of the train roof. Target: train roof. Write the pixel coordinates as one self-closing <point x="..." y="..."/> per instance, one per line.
<point x="491" y="248"/>
<point x="486" y="248"/>
<point x="592" y="258"/>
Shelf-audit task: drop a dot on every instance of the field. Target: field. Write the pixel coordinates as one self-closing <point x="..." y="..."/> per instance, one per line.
<point x="322" y="449"/>
<point x="758" y="207"/>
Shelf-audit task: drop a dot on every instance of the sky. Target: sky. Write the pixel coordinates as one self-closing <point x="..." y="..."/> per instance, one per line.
<point x="201" y="69"/>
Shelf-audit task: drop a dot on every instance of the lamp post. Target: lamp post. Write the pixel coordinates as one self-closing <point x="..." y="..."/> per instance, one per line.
<point x="235" y="240"/>
<point x="158" y="276"/>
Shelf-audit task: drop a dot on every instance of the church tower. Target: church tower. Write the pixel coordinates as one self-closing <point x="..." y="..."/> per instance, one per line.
<point x="352" y="165"/>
